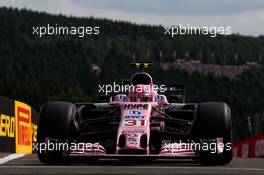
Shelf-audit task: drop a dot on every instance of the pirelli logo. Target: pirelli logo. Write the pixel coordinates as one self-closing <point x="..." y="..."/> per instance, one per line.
<point x="23" y="129"/>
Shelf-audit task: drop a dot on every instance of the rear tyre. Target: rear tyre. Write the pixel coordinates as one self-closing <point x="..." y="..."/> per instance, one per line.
<point x="213" y="120"/>
<point x="56" y="122"/>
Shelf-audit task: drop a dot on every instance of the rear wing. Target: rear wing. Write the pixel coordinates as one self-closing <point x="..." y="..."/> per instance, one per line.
<point x="174" y="93"/>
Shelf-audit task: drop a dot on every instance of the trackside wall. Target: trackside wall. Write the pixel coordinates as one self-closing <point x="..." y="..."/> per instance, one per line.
<point x="18" y="126"/>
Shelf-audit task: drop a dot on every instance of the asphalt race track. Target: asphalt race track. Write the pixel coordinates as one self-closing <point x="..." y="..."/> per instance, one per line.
<point x="30" y="164"/>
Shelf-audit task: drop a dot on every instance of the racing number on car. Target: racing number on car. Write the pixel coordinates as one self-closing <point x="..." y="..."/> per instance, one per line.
<point x="134" y="122"/>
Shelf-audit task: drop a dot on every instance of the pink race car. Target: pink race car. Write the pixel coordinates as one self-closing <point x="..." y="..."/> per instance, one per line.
<point x="142" y="123"/>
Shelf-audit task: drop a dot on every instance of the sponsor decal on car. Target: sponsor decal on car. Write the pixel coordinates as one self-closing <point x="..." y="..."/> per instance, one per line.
<point x="135" y="131"/>
<point x="134" y="122"/>
<point x="136" y="106"/>
<point x="134" y="112"/>
<point x="134" y="116"/>
<point x="122" y="98"/>
<point x="159" y="97"/>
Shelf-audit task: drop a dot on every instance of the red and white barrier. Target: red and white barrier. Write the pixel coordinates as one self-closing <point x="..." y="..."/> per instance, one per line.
<point x="251" y="147"/>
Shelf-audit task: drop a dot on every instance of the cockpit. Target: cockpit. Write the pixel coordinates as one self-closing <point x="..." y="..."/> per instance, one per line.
<point x="141" y="78"/>
<point x="142" y="90"/>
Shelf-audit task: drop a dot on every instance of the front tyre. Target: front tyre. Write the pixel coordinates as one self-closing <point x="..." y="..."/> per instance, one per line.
<point x="56" y="123"/>
<point x="213" y="120"/>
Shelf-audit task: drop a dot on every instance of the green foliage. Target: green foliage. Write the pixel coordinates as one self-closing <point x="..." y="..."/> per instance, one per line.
<point x="74" y="95"/>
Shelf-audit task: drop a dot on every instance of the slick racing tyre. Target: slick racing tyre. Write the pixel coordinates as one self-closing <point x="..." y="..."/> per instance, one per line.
<point x="56" y="124"/>
<point x="213" y="120"/>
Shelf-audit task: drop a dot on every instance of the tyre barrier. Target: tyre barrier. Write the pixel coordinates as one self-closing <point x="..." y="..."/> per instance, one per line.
<point x="18" y="126"/>
<point x="250" y="148"/>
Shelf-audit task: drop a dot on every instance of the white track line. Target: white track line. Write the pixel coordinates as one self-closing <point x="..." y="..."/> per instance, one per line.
<point x="10" y="157"/>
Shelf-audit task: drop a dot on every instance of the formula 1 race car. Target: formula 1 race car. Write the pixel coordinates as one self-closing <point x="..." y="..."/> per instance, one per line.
<point x="142" y="123"/>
